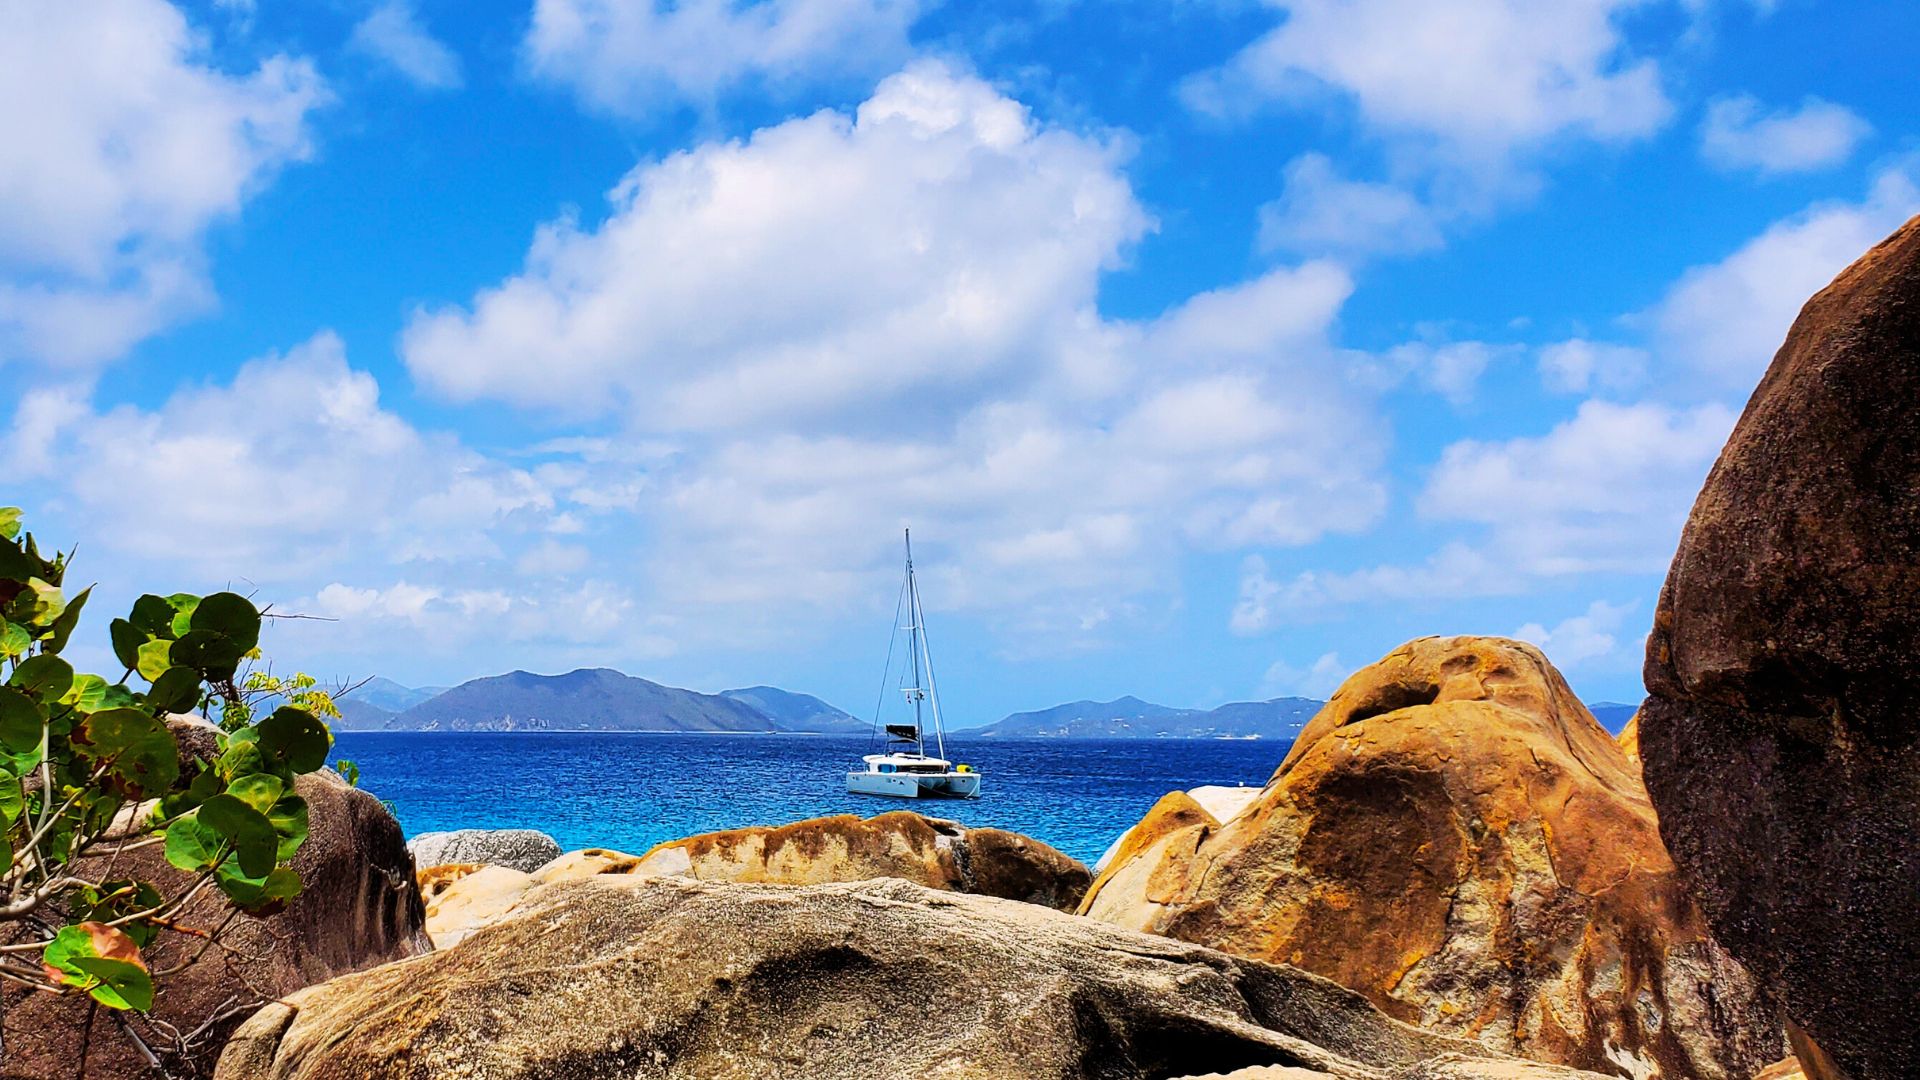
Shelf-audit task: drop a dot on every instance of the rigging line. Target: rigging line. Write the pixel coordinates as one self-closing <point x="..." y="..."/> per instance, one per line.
<point x="933" y="685"/>
<point x="893" y="635"/>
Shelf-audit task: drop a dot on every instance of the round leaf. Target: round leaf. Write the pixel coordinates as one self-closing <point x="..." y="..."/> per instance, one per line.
<point x="176" y="690"/>
<point x="192" y="846"/>
<point x="127" y="639"/>
<point x="120" y="985"/>
<point x="153" y="658"/>
<point x="152" y="615"/>
<point x="289" y="817"/>
<point x="230" y="615"/>
<point x="208" y="651"/>
<point x="45" y="677"/>
<point x="257" y="790"/>
<point x="139" y="749"/>
<point x="295" y="737"/>
<point x="255" y="844"/>
<point x="21" y="720"/>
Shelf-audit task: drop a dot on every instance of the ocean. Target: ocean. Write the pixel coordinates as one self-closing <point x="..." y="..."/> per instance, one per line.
<point x="632" y="791"/>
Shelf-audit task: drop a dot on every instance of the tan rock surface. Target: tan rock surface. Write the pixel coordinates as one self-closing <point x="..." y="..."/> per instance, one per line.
<point x="927" y="851"/>
<point x="675" y="979"/>
<point x="1456" y="837"/>
<point x="902" y="844"/>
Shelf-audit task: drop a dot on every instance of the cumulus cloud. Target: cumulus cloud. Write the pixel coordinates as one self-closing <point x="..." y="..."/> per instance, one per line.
<point x="937" y="238"/>
<point x="847" y="324"/>
<point x="1317" y="680"/>
<point x="1320" y="212"/>
<point x="1579" y="640"/>
<point x="1724" y="321"/>
<point x="630" y="57"/>
<point x="290" y="467"/>
<point x="1481" y="77"/>
<point x="1578" y="365"/>
<point x="393" y="34"/>
<point x="1606" y="490"/>
<point x="134" y="145"/>
<point x="1739" y="134"/>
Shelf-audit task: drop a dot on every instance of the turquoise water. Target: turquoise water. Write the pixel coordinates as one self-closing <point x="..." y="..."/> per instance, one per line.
<point x="631" y="791"/>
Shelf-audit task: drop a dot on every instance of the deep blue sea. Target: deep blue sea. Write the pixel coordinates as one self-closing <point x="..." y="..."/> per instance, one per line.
<point x="632" y="791"/>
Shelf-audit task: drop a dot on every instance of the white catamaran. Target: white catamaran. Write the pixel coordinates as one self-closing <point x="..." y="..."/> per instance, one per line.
<point x="905" y="770"/>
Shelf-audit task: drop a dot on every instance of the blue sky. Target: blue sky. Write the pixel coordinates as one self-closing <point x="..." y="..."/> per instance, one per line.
<point x="1212" y="348"/>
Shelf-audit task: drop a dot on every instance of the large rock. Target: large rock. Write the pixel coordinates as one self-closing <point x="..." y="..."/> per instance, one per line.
<point x="1781" y="741"/>
<point x="1455" y="837"/>
<point x="676" y="979"/>
<point x="358" y="908"/>
<point x="521" y="849"/>
<point x="902" y="844"/>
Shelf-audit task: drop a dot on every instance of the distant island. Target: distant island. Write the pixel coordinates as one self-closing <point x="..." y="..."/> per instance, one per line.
<point x="1132" y="718"/>
<point x="602" y="699"/>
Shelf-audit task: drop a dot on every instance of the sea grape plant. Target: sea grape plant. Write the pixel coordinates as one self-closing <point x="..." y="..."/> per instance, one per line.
<point x="92" y="771"/>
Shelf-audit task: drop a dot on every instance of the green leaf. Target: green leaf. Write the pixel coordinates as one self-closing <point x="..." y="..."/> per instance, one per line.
<point x="241" y="755"/>
<point x="9" y="522"/>
<point x="289" y="817"/>
<point x="89" y="692"/>
<point x="204" y="785"/>
<point x="153" y="616"/>
<point x="122" y="985"/>
<point x="39" y="604"/>
<point x="153" y="658"/>
<point x="192" y="846"/>
<point x="257" y="790"/>
<point x="102" y="960"/>
<point x="177" y="690"/>
<point x="117" y="899"/>
<point x="21" y="720"/>
<point x="127" y="639"/>
<point x="183" y="605"/>
<point x="255" y="844"/>
<point x="208" y="651"/>
<point x="14" y="639"/>
<point x="295" y="737"/>
<point x="141" y="750"/>
<point x="63" y="626"/>
<point x="263" y="895"/>
<point x="12" y="801"/>
<point x="45" y="677"/>
<point x="15" y="565"/>
<point x="348" y="770"/>
<point x="230" y="615"/>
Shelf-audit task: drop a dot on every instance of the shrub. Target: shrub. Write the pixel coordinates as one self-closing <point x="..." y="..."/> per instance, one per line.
<point x="91" y="770"/>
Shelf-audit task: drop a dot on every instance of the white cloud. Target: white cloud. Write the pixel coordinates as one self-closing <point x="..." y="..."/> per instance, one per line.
<point x="1320" y="212"/>
<point x="1726" y="320"/>
<point x="1479" y="76"/>
<point x="1580" y="639"/>
<point x="1737" y="134"/>
<point x="392" y="33"/>
<point x="291" y="467"/>
<point x="1253" y="612"/>
<point x="1451" y="369"/>
<point x="892" y="320"/>
<point x="937" y="240"/>
<point x="1578" y="365"/>
<point x="629" y="57"/>
<point x="1606" y="490"/>
<point x="133" y="146"/>
<point x="1319" y="680"/>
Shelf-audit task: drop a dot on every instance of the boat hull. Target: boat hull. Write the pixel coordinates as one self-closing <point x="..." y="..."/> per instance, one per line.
<point x="953" y="785"/>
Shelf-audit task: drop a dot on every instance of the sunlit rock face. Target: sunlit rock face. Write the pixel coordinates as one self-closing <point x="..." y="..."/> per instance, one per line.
<point x="1781" y="739"/>
<point x="939" y="854"/>
<point x="622" y="976"/>
<point x="1455" y="837"/>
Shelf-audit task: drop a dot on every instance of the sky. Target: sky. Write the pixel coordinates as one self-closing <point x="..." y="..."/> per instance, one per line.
<point x="1211" y="348"/>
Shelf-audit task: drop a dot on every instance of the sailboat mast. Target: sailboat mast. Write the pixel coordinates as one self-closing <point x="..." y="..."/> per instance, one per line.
<point x="926" y="656"/>
<point x="914" y="646"/>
